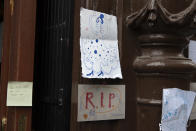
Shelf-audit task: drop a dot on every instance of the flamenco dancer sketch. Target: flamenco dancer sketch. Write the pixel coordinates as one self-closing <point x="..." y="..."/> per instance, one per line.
<point x="99" y="56"/>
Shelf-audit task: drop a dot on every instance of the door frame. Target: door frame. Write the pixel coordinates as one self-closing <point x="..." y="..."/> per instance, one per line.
<point x="17" y="58"/>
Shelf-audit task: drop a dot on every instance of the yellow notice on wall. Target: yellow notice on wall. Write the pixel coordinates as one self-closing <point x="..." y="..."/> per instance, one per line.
<point x="19" y="93"/>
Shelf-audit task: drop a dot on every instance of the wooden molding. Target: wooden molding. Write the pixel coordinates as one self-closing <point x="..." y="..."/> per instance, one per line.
<point x="163" y="37"/>
<point x="155" y="18"/>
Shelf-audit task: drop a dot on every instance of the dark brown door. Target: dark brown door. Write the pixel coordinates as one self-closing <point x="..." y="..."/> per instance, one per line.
<point x="53" y="65"/>
<point x="146" y="83"/>
<point x="58" y="68"/>
<point x="17" y="59"/>
<point x="127" y="48"/>
<point x="55" y="61"/>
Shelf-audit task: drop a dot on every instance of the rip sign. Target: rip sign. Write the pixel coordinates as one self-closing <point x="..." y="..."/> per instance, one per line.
<point x="101" y="102"/>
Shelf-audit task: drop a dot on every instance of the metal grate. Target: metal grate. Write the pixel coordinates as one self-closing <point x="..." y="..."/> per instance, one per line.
<point x="53" y="65"/>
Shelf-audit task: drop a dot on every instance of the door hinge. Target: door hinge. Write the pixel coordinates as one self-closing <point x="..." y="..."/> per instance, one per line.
<point x="12" y="7"/>
<point x="3" y="124"/>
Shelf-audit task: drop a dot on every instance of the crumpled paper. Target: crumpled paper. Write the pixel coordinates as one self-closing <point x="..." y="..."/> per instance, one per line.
<point x="99" y="45"/>
<point x="176" y="108"/>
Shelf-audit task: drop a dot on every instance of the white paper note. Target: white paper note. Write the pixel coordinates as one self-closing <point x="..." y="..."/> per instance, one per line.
<point x="193" y="113"/>
<point x="192" y="50"/>
<point x="176" y="108"/>
<point x="19" y="93"/>
<point x="99" y="45"/>
<point x="101" y="102"/>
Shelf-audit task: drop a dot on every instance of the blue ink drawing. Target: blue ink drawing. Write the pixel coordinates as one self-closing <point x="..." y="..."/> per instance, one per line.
<point x="101" y="73"/>
<point x="100" y="19"/>
<point x="97" y="40"/>
<point x="92" y="112"/>
<point x="90" y="74"/>
<point x="98" y="25"/>
<point x="104" y="59"/>
<point x="99" y="53"/>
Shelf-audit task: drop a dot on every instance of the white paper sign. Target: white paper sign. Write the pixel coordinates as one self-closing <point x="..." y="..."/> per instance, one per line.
<point x="99" y="45"/>
<point x="192" y="50"/>
<point x="193" y="113"/>
<point x="19" y="93"/>
<point x="101" y="102"/>
<point x="176" y="109"/>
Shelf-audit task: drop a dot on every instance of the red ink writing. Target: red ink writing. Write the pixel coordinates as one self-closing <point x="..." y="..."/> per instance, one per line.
<point x="111" y="96"/>
<point x="102" y="97"/>
<point x="89" y="96"/>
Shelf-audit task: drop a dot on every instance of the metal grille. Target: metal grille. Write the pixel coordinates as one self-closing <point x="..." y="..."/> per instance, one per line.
<point x="53" y="65"/>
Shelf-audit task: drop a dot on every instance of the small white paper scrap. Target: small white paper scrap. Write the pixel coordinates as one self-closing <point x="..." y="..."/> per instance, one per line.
<point x="176" y="108"/>
<point x="99" y="45"/>
<point x="192" y="50"/>
<point x="19" y="93"/>
<point x="193" y="113"/>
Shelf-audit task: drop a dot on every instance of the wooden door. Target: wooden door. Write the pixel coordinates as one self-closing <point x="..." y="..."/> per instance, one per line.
<point x="58" y="67"/>
<point x="54" y="62"/>
<point x="141" y="114"/>
<point x="17" y="59"/>
<point x="53" y="65"/>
